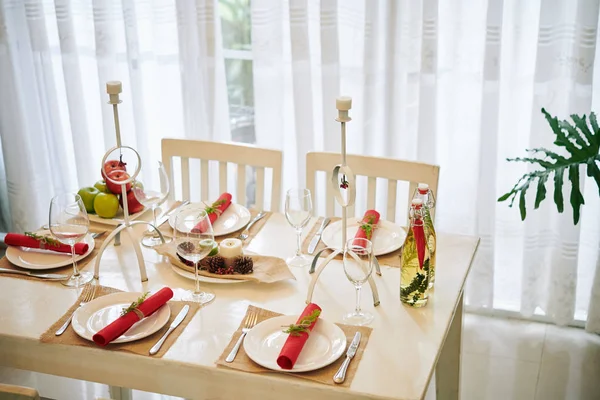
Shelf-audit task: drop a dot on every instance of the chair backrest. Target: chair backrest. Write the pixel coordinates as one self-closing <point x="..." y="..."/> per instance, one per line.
<point x="372" y="167"/>
<point x="12" y="392"/>
<point x="241" y="155"/>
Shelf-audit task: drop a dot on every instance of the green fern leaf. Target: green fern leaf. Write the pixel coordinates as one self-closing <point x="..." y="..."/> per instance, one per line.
<point x="593" y="171"/>
<point x="541" y="191"/>
<point x="581" y="124"/>
<point x="582" y="142"/>
<point x="573" y="135"/>
<point x="558" y="184"/>
<point x="522" y="205"/>
<point x="595" y="128"/>
<point x="576" y="197"/>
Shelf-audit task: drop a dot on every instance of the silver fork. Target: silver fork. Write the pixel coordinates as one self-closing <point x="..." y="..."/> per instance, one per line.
<point x="88" y="293"/>
<point x="246" y="232"/>
<point x="249" y="323"/>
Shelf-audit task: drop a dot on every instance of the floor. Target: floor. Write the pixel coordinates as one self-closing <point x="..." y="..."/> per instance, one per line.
<point x="502" y="359"/>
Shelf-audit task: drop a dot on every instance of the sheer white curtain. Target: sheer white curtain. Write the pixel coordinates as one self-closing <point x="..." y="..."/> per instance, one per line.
<point x="55" y="57"/>
<point x="460" y="84"/>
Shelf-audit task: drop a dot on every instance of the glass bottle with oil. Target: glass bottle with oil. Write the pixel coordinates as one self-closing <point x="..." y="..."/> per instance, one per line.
<point x="426" y="195"/>
<point x="415" y="260"/>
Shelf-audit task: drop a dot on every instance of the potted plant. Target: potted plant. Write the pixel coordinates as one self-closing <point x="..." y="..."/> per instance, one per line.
<point x="581" y="145"/>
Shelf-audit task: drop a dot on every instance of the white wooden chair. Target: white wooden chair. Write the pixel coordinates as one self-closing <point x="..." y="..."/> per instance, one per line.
<point x="240" y="154"/>
<point x="13" y="392"/>
<point x="372" y="167"/>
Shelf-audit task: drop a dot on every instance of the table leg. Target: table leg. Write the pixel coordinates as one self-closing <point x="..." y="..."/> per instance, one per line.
<point x="120" y="393"/>
<point x="447" y="372"/>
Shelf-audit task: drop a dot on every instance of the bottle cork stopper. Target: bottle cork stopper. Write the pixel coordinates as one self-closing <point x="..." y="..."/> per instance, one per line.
<point x="417" y="203"/>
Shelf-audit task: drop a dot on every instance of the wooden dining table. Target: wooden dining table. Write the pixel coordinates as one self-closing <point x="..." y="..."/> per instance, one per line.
<point x="406" y="347"/>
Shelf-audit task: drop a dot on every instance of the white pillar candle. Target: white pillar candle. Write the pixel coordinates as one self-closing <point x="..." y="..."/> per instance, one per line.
<point x="230" y="248"/>
<point x="343" y="103"/>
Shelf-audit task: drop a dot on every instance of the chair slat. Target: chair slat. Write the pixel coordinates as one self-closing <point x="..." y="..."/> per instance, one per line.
<point x="260" y="188"/>
<point x="371" y="188"/>
<point x="185" y="177"/>
<point x="204" y="180"/>
<point x="330" y="199"/>
<point x="391" y="200"/>
<point x="241" y="184"/>
<point x="411" y="190"/>
<point x="222" y="177"/>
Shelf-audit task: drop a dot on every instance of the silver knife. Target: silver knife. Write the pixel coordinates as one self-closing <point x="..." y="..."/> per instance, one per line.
<point x="55" y="277"/>
<point x="340" y="375"/>
<point x="165" y="217"/>
<point x="180" y="317"/>
<point x="315" y="241"/>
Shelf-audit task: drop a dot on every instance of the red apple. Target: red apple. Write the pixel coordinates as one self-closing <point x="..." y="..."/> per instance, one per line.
<point x="117" y="175"/>
<point x="133" y="205"/>
<point x="112" y="165"/>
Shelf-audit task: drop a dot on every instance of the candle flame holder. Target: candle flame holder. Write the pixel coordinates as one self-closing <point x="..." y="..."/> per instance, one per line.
<point x="113" y="89"/>
<point x="345" y="200"/>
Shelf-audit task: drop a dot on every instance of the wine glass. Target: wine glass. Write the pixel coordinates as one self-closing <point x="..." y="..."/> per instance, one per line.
<point x="152" y="196"/>
<point x="298" y="208"/>
<point x="69" y="224"/>
<point x="358" y="266"/>
<point x="194" y="239"/>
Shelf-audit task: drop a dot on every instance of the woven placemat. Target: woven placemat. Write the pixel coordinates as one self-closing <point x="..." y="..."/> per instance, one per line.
<point x="324" y="375"/>
<point x="391" y="259"/>
<point x="67" y="270"/>
<point x="141" y="347"/>
<point x="166" y="229"/>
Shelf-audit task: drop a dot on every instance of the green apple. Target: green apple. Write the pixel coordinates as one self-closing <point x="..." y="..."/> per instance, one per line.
<point x="106" y="205"/>
<point x="88" y="194"/>
<point x="101" y="186"/>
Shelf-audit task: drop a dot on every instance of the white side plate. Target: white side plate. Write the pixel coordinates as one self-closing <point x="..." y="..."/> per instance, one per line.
<point x="387" y="237"/>
<point x="325" y="344"/>
<point x="99" y="313"/>
<point x="118" y="219"/>
<point x="233" y="219"/>
<point x="25" y="257"/>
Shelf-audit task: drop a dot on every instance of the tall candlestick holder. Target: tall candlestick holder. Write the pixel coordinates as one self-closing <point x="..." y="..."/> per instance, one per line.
<point x="113" y="89"/>
<point x="344" y="189"/>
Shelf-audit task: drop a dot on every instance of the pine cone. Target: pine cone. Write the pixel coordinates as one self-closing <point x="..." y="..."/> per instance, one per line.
<point x="214" y="264"/>
<point x="186" y="262"/>
<point x="243" y="265"/>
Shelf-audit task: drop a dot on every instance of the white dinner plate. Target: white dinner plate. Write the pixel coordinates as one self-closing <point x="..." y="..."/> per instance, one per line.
<point x="233" y="219"/>
<point x="98" y="313"/>
<point x="325" y="344"/>
<point x="387" y="237"/>
<point x="118" y="219"/>
<point x="202" y="278"/>
<point x="25" y="257"/>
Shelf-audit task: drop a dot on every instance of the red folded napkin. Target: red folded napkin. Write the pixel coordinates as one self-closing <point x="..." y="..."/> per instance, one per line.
<point x="371" y="218"/>
<point x="294" y="344"/>
<point x="124" y="322"/>
<point x="214" y="211"/>
<point x="16" y="239"/>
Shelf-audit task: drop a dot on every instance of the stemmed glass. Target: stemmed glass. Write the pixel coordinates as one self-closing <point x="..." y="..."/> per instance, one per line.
<point x="298" y="208"/>
<point x="69" y="224"/>
<point x="358" y="266"/>
<point x="194" y="239"/>
<point x="153" y="196"/>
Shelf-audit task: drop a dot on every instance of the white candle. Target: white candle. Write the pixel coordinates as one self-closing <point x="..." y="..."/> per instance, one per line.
<point x="230" y="248"/>
<point x="114" y="87"/>
<point x="343" y="103"/>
